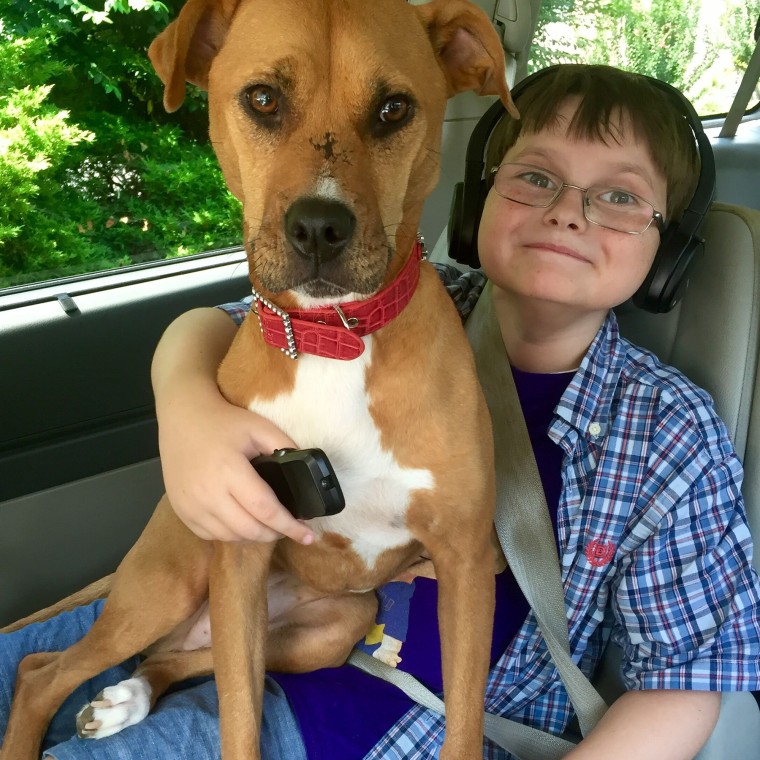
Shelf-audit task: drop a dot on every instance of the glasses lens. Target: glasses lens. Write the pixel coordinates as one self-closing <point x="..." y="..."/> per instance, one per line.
<point x="611" y="207"/>
<point x="526" y="184"/>
<point x="617" y="209"/>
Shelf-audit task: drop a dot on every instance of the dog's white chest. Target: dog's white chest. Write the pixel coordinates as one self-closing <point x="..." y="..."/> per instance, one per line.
<point x="329" y="409"/>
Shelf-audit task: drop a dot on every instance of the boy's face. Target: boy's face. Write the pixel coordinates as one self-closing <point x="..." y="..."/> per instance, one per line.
<point x="554" y="254"/>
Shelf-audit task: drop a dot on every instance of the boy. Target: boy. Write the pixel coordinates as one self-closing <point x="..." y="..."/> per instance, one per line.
<point x="631" y="455"/>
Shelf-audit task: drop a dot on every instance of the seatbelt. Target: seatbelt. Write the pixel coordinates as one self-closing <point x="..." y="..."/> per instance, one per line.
<point x="524" y="742"/>
<point x="744" y="93"/>
<point x="527" y="539"/>
<point x="522" y="516"/>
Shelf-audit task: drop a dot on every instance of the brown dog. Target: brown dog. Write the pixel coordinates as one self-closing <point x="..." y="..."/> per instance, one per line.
<point x="326" y="117"/>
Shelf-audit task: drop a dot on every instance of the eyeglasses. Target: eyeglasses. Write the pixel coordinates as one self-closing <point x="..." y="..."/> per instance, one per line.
<point x="612" y="207"/>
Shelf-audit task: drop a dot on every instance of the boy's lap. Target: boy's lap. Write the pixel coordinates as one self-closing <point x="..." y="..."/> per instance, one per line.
<point x="61" y="632"/>
<point x="184" y="724"/>
<point x="52" y="635"/>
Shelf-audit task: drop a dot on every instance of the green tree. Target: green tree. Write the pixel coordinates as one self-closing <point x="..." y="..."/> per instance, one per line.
<point x="741" y="21"/>
<point x="662" y="39"/>
<point x="94" y="173"/>
<point x="555" y="37"/>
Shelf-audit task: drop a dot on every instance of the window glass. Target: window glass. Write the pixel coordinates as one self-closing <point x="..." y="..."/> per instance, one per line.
<point x="94" y="174"/>
<point x="701" y="47"/>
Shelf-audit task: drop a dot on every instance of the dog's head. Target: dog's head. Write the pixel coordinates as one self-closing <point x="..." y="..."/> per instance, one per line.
<point x="326" y="118"/>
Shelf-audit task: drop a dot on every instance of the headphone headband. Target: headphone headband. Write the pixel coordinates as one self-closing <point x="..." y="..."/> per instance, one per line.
<point x="680" y="243"/>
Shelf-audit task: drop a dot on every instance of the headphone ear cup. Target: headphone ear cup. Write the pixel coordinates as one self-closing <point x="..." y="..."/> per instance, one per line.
<point x="690" y="256"/>
<point x="482" y="194"/>
<point x="464" y="222"/>
<point x="455" y="222"/>
<point x="467" y="202"/>
<point x="667" y="279"/>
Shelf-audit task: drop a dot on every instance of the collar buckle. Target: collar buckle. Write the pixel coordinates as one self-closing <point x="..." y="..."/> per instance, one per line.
<point x="291" y="350"/>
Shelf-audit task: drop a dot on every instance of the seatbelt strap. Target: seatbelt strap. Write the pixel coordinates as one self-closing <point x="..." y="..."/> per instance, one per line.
<point x="524" y="742"/>
<point x="744" y="93"/>
<point x="522" y="516"/>
<point x="527" y="539"/>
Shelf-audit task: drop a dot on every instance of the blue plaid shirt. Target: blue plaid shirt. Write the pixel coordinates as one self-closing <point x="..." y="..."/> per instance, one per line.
<point x="653" y="538"/>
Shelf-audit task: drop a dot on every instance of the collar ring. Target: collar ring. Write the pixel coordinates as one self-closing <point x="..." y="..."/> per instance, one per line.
<point x="348" y="322"/>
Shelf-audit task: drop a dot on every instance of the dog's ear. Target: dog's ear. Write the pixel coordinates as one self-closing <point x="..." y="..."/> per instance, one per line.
<point x="468" y="49"/>
<point x="184" y="50"/>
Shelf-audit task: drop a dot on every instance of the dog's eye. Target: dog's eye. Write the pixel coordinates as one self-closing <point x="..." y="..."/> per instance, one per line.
<point x="395" y="110"/>
<point x="390" y="114"/>
<point x="263" y="100"/>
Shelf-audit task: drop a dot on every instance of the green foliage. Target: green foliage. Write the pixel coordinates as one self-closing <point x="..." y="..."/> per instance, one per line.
<point x="663" y="42"/>
<point x="93" y="173"/>
<point x="555" y="37"/>
<point x="740" y="21"/>
<point x="660" y="38"/>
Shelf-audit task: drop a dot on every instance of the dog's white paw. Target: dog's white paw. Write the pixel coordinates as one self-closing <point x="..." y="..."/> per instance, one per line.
<point x="114" y="709"/>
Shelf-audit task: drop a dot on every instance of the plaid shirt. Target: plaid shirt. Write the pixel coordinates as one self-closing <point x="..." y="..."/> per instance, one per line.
<point x="654" y="544"/>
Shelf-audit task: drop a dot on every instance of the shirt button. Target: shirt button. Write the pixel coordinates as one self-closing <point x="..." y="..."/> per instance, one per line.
<point x="594" y="429"/>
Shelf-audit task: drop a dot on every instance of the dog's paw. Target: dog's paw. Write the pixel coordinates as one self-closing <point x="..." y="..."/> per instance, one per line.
<point x="114" y="709"/>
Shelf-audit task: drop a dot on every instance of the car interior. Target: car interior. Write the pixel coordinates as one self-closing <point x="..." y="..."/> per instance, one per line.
<point x="79" y="469"/>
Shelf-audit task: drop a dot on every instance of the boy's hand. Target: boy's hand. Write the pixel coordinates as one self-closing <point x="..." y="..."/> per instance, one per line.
<point x="206" y="447"/>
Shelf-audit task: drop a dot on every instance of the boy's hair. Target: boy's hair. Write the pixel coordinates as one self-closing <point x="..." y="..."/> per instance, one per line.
<point x="605" y="93"/>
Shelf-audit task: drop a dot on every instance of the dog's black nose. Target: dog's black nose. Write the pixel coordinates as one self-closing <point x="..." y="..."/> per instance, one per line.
<point x="319" y="229"/>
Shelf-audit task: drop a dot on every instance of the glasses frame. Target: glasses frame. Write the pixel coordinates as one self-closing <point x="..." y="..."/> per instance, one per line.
<point x="656" y="217"/>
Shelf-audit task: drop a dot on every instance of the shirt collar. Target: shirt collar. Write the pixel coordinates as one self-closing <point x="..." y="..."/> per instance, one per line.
<point x="586" y="405"/>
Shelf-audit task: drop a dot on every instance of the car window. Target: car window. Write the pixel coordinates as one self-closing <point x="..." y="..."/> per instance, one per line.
<point x="96" y="176"/>
<point x="702" y="48"/>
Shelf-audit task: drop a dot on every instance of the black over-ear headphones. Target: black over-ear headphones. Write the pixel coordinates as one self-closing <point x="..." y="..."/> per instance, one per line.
<point x="680" y="243"/>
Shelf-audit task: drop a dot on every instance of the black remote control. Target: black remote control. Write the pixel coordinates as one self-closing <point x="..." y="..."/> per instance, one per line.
<point x="303" y="480"/>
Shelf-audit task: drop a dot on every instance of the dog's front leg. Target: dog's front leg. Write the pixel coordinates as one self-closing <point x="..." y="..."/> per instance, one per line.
<point x="238" y="607"/>
<point x="462" y="556"/>
<point x="466" y="598"/>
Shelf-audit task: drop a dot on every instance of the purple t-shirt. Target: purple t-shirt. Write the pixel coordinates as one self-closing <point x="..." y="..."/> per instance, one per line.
<point x="343" y="712"/>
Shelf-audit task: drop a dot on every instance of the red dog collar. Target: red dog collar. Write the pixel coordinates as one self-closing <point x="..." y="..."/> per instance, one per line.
<point x="336" y="332"/>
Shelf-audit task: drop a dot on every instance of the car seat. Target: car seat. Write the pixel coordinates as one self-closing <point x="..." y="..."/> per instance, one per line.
<point x="712" y="336"/>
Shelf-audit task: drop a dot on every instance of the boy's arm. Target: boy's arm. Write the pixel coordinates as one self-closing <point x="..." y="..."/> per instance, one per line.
<point x="686" y="604"/>
<point x="656" y="725"/>
<point x="207" y="443"/>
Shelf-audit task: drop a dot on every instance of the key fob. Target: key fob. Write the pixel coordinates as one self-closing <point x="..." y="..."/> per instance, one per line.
<point x="303" y="480"/>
